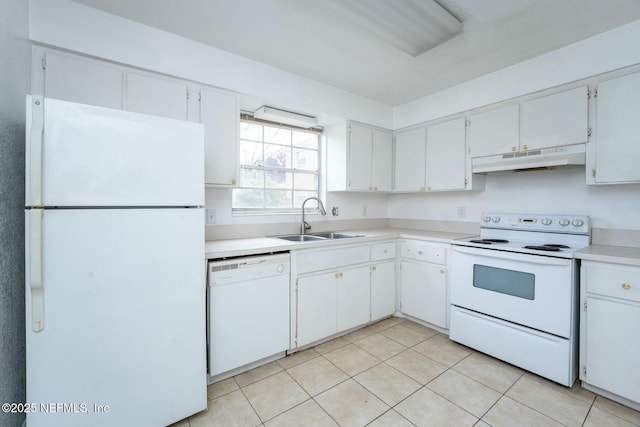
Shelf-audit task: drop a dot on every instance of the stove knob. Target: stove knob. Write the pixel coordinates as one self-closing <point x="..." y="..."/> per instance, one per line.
<point x="486" y="218"/>
<point x="496" y="219"/>
<point x="546" y="221"/>
<point x="564" y="222"/>
<point x="577" y="222"/>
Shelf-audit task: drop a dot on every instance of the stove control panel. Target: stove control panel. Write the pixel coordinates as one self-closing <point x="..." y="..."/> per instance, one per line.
<point x="578" y="224"/>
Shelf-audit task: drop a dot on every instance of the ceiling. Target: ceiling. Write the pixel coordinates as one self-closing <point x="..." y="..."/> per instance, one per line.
<point x="325" y="40"/>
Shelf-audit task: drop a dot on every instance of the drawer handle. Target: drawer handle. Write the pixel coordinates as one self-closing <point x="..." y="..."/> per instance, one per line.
<point x="419" y="252"/>
<point x="626" y="286"/>
<point x="442" y="271"/>
<point x="373" y="268"/>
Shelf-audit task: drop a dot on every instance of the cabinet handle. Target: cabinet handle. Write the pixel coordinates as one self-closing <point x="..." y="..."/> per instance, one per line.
<point x="526" y="147"/>
<point x="385" y="251"/>
<point x="370" y="188"/>
<point x="233" y="181"/>
<point x="373" y="268"/>
<point x="626" y="286"/>
<point x="421" y="188"/>
<point x="513" y="149"/>
<point x="375" y="188"/>
<point x="442" y="270"/>
<point x="429" y="188"/>
<point x="419" y="252"/>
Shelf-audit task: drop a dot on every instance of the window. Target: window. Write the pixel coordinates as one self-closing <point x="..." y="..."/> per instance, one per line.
<point x="279" y="168"/>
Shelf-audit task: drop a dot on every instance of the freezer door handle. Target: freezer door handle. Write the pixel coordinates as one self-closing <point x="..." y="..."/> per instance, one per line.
<point x="35" y="129"/>
<point x="35" y="269"/>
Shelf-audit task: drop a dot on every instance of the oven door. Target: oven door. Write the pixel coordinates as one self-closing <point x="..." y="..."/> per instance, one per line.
<point x="530" y="290"/>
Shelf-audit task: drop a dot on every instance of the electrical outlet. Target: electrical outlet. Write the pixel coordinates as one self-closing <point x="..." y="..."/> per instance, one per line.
<point x="211" y="216"/>
<point x="462" y="211"/>
<point x="335" y="211"/>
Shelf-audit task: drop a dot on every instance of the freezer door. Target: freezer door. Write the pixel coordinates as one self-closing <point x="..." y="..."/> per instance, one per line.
<point x="83" y="155"/>
<point x="123" y="339"/>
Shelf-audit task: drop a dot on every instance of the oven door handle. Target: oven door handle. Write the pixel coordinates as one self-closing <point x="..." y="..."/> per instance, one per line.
<point x="531" y="259"/>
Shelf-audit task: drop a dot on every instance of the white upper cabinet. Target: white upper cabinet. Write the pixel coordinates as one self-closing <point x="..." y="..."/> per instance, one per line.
<point x="359" y="158"/>
<point x="616" y="157"/>
<point x="155" y="95"/>
<point x="410" y="167"/>
<point x="555" y="120"/>
<point x="495" y="131"/>
<point x="82" y="80"/>
<point x="220" y="115"/>
<point x="381" y="163"/>
<point x="446" y="155"/>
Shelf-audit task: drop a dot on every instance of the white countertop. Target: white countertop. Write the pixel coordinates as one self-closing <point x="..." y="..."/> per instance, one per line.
<point x="614" y="254"/>
<point x="215" y="249"/>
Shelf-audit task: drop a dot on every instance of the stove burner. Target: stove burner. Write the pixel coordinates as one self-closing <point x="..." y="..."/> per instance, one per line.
<point x="555" y="245"/>
<point x="548" y="248"/>
<point x="488" y="241"/>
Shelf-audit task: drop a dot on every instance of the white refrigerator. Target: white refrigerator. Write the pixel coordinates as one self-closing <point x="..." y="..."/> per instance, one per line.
<point x="115" y="274"/>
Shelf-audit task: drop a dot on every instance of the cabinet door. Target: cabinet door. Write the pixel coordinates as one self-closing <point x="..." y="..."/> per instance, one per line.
<point x="424" y="292"/>
<point x="157" y="96"/>
<point x="410" y="149"/>
<point x="446" y="155"/>
<point x="382" y="162"/>
<point x="612" y="347"/>
<point x="617" y="142"/>
<point x="354" y="297"/>
<point x="383" y="290"/>
<point x="360" y="157"/>
<point x="554" y="120"/>
<point x="220" y="116"/>
<point x="495" y="131"/>
<point x="316" y="308"/>
<point x="82" y="80"/>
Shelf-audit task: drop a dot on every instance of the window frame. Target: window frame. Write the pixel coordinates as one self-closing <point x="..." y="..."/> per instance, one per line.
<point x="317" y="173"/>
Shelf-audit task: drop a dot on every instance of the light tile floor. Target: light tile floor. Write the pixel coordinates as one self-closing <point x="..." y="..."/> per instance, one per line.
<point x="398" y="373"/>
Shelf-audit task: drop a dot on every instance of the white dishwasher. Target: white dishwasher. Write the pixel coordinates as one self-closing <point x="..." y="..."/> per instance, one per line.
<point x="248" y="310"/>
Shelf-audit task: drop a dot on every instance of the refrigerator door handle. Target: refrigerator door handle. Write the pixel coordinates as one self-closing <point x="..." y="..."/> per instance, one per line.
<point x="35" y="269"/>
<point x="34" y="153"/>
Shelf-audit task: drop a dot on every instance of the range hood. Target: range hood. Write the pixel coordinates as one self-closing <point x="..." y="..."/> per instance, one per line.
<point x="531" y="159"/>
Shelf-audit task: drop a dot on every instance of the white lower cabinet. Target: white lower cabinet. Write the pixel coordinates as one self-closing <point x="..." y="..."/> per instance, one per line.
<point x="354" y="295"/>
<point x="423" y="281"/>
<point x="610" y="330"/>
<point x="383" y="289"/>
<point x="330" y="302"/>
<point x="383" y="279"/>
<point x="316" y="310"/>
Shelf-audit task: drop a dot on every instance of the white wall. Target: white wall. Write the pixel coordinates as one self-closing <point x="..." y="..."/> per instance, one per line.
<point x="546" y="191"/>
<point x="558" y="191"/>
<point x="79" y="28"/>
<point x="608" y="51"/>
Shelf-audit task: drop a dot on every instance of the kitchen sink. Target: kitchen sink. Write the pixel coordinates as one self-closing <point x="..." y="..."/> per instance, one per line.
<point x="300" y="237"/>
<point x="333" y="235"/>
<point x="328" y="235"/>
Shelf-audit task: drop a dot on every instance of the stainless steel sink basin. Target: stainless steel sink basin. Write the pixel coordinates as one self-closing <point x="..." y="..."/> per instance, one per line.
<point x="328" y="235"/>
<point x="334" y="235"/>
<point x="300" y="237"/>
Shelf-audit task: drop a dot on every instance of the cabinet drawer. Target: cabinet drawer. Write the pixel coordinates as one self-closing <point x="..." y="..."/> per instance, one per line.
<point x="423" y="251"/>
<point x="612" y="280"/>
<point x="333" y="258"/>
<point x="382" y="251"/>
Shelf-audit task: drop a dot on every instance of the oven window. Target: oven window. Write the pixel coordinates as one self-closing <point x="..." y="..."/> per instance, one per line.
<point x="514" y="283"/>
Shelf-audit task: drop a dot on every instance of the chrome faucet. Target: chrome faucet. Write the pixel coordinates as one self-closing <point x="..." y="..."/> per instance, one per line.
<point x="304" y="225"/>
